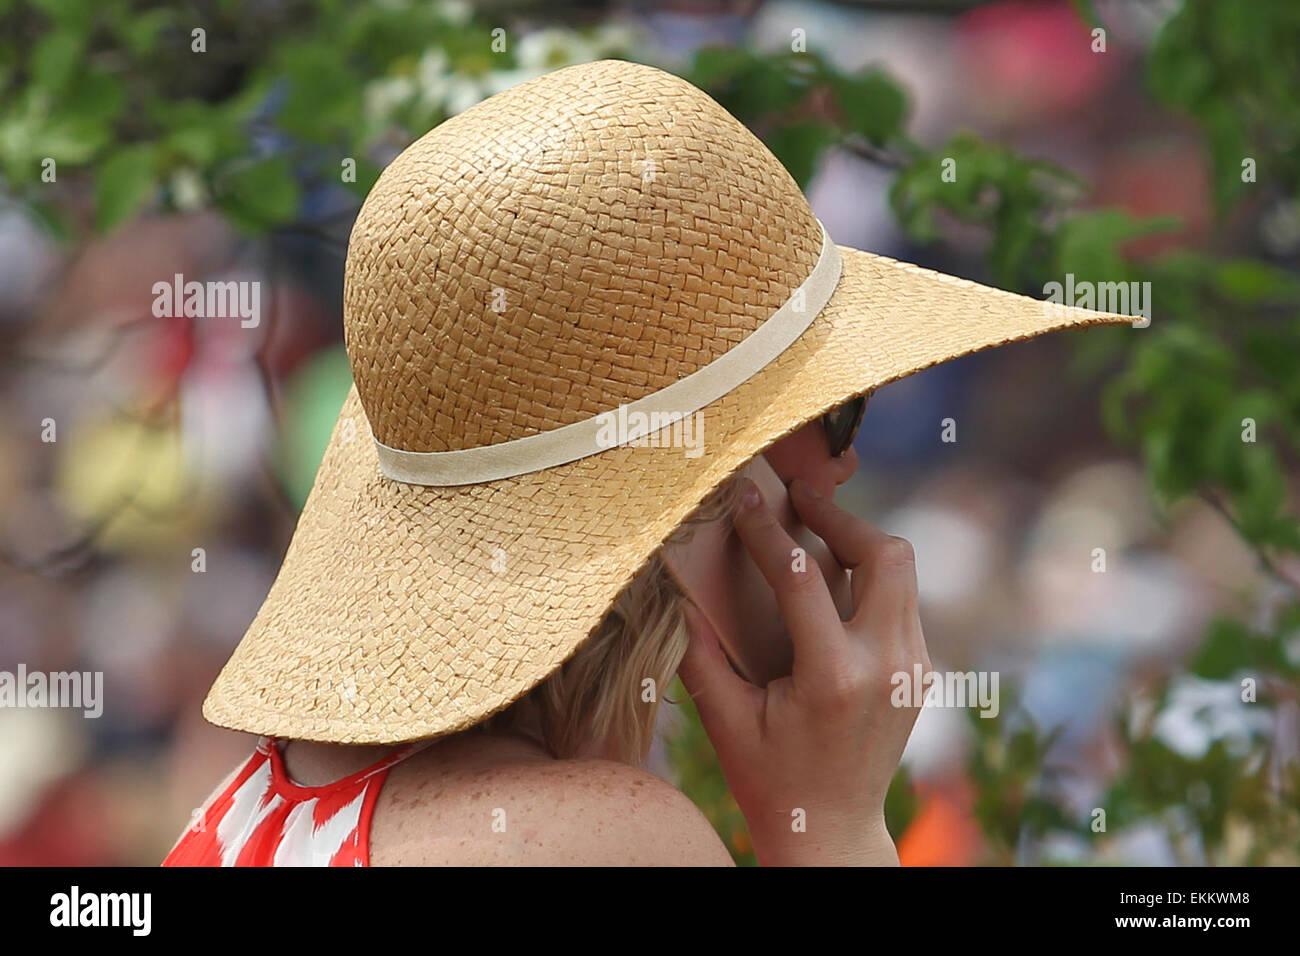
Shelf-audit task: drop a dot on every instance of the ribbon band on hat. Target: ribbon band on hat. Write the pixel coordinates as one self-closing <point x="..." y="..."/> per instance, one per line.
<point x="468" y="466"/>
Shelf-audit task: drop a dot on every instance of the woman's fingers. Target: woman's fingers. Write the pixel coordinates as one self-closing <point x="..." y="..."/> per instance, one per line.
<point x="801" y="593"/>
<point x="889" y="603"/>
<point x="883" y="566"/>
<point x="851" y="540"/>
<point x="726" y="702"/>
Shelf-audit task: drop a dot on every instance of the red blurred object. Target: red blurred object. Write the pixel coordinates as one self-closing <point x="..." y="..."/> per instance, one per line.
<point x="944" y="831"/>
<point x="66" y="829"/>
<point x="1026" y="60"/>
<point x="1159" y="177"/>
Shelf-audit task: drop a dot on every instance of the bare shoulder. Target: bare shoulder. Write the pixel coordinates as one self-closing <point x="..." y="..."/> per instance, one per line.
<point x="540" y="812"/>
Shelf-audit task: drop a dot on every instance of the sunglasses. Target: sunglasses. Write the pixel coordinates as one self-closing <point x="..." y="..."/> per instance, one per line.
<point x="842" y="424"/>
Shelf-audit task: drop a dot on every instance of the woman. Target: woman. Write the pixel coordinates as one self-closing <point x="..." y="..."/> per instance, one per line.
<point x="607" y="367"/>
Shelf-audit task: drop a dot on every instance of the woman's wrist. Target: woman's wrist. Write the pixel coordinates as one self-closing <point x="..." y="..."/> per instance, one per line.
<point x="847" y="843"/>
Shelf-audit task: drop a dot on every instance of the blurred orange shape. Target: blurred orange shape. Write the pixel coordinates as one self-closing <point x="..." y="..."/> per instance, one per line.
<point x="944" y="831"/>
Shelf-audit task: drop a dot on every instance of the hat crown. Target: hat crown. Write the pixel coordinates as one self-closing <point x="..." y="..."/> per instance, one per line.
<point x="562" y="248"/>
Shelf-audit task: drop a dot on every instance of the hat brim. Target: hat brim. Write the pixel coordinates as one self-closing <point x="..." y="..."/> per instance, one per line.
<point x="403" y="612"/>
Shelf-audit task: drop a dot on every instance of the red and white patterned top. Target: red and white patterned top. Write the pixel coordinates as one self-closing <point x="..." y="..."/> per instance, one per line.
<point x="265" y="819"/>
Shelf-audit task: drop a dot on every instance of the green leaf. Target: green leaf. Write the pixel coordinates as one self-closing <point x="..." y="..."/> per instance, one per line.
<point x="55" y="57"/>
<point x="139" y="31"/>
<point x="752" y="87"/>
<point x="1087" y="12"/>
<point x="323" y="96"/>
<point x="716" y="65"/>
<point x="261" y="195"/>
<point x="1261" y="494"/>
<point x="64" y="12"/>
<point x="124" y="183"/>
<point x="91" y="97"/>
<point x="901" y="803"/>
<point x="52" y="218"/>
<point x="198" y="144"/>
<point x="872" y="105"/>
<point x="367" y="173"/>
<point x="1252" y="282"/>
<point x="1089" y="244"/>
<point x="1231" y="647"/>
<point x="798" y="145"/>
<point x="73" y="142"/>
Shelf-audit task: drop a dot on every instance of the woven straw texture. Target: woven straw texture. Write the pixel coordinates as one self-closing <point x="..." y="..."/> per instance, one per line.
<point x="565" y="247"/>
<point x="579" y="242"/>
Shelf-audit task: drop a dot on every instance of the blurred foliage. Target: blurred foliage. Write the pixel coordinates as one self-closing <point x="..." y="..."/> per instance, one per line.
<point x="1201" y="800"/>
<point x="692" y="756"/>
<point x="118" y="95"/>
<point x="1221" y="355"/>
<point x="112" y="92"/>
<point x="1006" y="764"/>
<point x="1233" y="68"/>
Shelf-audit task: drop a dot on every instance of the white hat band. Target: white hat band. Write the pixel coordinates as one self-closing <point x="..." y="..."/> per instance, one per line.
<point x="642" y="417"/>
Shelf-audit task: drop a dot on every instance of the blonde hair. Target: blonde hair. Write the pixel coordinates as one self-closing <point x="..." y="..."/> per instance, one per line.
<point x="596" y="694"/>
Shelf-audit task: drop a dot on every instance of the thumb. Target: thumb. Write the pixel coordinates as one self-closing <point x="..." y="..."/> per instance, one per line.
<point x="722" y="697"/>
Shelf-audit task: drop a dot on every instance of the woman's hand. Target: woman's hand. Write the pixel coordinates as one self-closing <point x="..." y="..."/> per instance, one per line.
<point x="809" y="758"/>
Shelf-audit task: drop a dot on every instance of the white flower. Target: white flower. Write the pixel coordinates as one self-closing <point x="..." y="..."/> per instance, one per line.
<point x="614" y="38"/>
<point x="433" y="77"/>
<point x="454" y="11"/>
<point x="1200" y="712"/>
<point x="462" y="93"/>
<point x="549" y="49"/>
<point x="188" y="191"/>
<point x="384" y="97"/>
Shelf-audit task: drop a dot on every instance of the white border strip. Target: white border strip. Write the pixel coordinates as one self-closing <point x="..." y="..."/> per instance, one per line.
<point x="559" y="446"/>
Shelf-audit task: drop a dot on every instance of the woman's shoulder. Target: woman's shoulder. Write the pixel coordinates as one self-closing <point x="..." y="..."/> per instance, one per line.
<point x="528" y="810"/>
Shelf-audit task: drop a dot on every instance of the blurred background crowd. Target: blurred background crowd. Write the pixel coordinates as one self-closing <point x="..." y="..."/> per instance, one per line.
<point x="172" y="435"/>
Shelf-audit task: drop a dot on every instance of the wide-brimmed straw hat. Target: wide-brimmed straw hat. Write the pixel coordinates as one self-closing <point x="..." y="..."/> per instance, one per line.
<point x="527" y="286"/>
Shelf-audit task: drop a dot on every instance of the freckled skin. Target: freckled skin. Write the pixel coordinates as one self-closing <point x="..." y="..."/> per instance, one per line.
<point x="438" y="807"/>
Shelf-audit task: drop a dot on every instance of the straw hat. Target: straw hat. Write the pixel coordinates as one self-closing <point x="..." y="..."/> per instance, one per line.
<point x="525" y="286"/>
